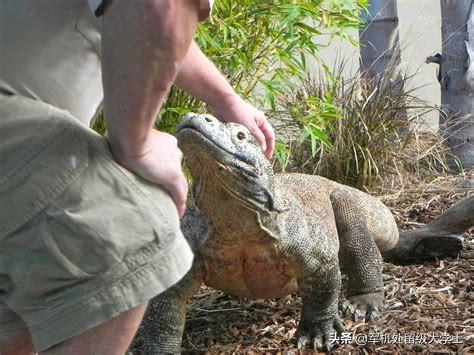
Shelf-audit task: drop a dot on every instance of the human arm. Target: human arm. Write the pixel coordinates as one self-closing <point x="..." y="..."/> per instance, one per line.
<point x="143" y="43"/>
<point x="200" y="78"/>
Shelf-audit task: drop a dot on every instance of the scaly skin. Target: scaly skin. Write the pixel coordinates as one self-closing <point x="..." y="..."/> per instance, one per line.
<point x="258" y="234"/>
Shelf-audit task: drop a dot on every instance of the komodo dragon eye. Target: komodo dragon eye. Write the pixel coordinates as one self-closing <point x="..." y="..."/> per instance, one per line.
<point x="241" y="136"/>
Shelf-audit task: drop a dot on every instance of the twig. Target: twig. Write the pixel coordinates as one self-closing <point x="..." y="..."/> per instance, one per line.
<point x="218" y="310"/>
<point x="443" y="307"/>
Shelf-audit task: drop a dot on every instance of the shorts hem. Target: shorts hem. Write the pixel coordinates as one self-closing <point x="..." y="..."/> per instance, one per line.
<point x="14" y="323"/>
<point x="136" y="287"/>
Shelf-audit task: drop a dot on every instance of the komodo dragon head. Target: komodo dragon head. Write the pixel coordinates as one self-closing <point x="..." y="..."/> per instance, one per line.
<point x="227" y="166"/>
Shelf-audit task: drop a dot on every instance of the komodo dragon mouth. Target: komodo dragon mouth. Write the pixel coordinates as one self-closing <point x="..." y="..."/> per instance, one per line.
<point x="214" y="143"/>
<point x="226" y="156"/>
<point x="203" y="135"/>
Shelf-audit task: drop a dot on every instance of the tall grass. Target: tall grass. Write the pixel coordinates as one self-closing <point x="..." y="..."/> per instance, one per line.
<point x="368" y="129"/>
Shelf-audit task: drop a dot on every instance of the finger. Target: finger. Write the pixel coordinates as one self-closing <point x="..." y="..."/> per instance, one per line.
<point x="181" y="205"/>
<point x="181" y="209"/>
<point x="185" y="188"/>
<point x="257" y="133"/>
<point x="178" y="200"/>
<point x="178" y="194"/>
<point x="269" y="134"/>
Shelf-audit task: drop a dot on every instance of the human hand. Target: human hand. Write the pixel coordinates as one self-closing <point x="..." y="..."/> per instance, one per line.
<point x="238" y="111"/>
<point x="160" y="163"/>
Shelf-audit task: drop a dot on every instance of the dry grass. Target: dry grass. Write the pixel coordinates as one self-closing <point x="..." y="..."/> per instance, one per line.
<point x="374" y="137"/>
<point x="428" y="298"/>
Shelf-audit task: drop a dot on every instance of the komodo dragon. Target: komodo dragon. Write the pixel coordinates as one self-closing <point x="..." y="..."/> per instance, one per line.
<point x="257" y="234"/>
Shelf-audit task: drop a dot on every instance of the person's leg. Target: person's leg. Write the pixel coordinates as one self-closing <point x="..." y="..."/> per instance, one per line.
<point x="16" y="342"/>
<point x="111" y="337"/>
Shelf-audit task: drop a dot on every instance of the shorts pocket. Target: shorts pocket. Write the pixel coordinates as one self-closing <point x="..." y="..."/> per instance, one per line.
<point x="103" y="218"/>
<point x="39" y="175"/>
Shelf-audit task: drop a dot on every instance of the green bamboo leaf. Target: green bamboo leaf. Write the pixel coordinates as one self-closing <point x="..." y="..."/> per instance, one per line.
<point x="254" y="39"/>
<point x="314" y="144"/>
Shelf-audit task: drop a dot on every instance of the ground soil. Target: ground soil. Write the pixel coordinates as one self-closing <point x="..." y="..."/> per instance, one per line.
<point x="428" y="305"/>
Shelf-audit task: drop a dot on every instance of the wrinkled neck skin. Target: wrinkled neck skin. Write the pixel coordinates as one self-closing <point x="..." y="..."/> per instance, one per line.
<point x="235" y="203"/>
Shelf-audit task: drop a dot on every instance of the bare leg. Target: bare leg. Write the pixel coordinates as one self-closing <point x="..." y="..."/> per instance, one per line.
<point x="17" y="342"/>
<point x="110" y="338"/>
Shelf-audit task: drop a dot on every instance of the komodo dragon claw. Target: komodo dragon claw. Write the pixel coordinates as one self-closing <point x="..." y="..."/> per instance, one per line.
<point x="369" y="305"/>
<point x="319" y="332"/>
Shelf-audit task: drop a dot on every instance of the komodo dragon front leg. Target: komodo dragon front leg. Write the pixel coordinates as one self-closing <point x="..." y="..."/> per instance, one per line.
<point x="319" y="318"/>
<point x="163" y="324"/>
<point x="365" y="226"/>
<point x="313" y="249"/>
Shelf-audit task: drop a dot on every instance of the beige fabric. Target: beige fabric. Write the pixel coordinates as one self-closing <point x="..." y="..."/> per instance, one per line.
<point x="81" y="239"/>
<point x="50" y="51"/>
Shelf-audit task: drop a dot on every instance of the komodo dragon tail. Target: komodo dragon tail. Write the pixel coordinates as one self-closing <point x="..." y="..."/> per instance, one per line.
<point x="439" y="238"/>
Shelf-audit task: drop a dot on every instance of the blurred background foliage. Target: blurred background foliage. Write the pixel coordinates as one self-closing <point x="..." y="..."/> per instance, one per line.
<point x="263" y="47"/>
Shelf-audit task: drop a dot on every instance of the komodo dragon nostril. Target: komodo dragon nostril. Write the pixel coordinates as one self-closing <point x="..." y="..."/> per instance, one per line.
<point x="208" y="119"/>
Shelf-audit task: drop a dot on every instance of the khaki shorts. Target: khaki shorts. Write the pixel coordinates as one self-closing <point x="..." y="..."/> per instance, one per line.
<point x="81" y="238"/>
